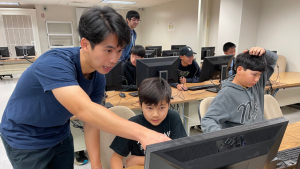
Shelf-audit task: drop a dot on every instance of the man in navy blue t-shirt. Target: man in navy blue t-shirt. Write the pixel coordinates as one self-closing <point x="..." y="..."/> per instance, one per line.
<point x="66" y="82"/>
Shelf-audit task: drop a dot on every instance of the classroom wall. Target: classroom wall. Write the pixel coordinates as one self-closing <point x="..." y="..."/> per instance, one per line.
<point x="279" y="29"/>
<point x="54" y="13"/>
<point x="184" y="13"/>
<point x="214" y="23"/>
<point x="249" y="25"/>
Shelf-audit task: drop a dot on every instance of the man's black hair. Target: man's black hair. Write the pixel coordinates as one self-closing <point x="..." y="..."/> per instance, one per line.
<point x="152" y="91"/>
<point x="97" y="23"/>
<point x="138" y="50"/>
<point x="132" y="14"/>
<point x="252" y="62"/>
<point x="227" y="46"/>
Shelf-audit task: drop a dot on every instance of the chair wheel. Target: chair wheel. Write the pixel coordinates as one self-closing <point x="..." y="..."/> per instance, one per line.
<point x="11" y="76"/>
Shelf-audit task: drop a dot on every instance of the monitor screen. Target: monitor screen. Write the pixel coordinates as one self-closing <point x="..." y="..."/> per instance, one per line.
<point x="4" y="52"/>
<point x="150" y="54"/>
<point x="164" y="67"/>
<point x="114" y="78"/>
<point x="212" y="66"/>
<point x="207" y="51"/>
<point x="251" y="146"/>
<point x="174" y="52"/>
<point x="25" y="50"/>
<point x="156" y="48"/>
<point x="177" y="47"/>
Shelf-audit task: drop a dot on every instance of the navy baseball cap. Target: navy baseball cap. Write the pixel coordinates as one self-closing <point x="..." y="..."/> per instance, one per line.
<point x="187" y="51"/>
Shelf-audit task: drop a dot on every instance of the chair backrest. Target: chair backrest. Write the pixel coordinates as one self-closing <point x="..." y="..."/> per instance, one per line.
<point x="271" y="107"/>
<point x="203" y="106"/>
<point x="281" y="63"/>
<point x="106" y="138"/>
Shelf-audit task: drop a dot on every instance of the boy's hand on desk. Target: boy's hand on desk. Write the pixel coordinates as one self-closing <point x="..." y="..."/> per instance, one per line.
<point x="181" y="87"/>
<point x="258" y="51"/>
<point x="182" y="80"/>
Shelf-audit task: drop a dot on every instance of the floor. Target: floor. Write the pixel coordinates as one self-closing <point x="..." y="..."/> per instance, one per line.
<point x="7" y="86"/>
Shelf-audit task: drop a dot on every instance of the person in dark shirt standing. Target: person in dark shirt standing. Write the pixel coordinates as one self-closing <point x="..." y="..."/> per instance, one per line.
<point x="154" y="99"/>
<point x="129" y="68"/>
<point x="189" y="70"/>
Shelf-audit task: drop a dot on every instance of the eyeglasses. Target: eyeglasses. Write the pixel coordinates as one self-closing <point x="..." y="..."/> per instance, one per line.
<point x="135" y="20"/>
<point x="136" y="57"/>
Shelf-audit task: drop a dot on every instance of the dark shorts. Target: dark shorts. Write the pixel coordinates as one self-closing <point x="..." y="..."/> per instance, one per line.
<point x="60" y="156"/>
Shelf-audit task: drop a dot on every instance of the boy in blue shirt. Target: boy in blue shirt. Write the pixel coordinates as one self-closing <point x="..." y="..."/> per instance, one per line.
<point x="154" y="99"/>
<point x="229" y="49"/>
<point x="65" y="82"/>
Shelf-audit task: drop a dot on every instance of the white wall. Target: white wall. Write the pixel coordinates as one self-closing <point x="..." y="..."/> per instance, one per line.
<point x="214" y="23"/>
<point x="184" y="13"/>
<point x="229" y="23"/>
<point x="54" y="13"/>
<point x="249" y="25"/>
<point x="279" y="29"/>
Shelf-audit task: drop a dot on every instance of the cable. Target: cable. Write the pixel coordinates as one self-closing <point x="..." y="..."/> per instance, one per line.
<point x="77" y="125"/>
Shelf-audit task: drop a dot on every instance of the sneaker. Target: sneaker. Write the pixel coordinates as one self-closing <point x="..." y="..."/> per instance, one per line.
<point x="80" y="158"/>
<point x="199" y="128"/>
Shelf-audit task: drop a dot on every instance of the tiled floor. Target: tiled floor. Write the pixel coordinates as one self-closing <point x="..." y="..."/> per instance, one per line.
<point x="7" y="86"/>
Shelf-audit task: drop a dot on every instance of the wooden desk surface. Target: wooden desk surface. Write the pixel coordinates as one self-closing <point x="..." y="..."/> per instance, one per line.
<point x="290" y="79"/>
<point x="178" y="96"/>
<point x="290" y="139"/>
<point x="18" y="59"/>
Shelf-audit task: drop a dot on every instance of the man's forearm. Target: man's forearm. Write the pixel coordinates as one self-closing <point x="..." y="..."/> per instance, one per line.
<point x="92" y="142"/>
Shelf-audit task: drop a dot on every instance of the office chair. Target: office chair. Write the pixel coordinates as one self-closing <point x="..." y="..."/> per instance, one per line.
<point x="203" y="106"/>
<point x="271" y="107"/>
<point x="106" y="138"/>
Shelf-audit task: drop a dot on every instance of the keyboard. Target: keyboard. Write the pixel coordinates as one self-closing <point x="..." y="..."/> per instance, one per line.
<point x="202" y="87"/>
<point x="289" y="156"/>
<point x="134" y="94"/>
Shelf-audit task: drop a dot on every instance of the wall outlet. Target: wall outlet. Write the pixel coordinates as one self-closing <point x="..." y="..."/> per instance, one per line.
<point x="32" y="43"/>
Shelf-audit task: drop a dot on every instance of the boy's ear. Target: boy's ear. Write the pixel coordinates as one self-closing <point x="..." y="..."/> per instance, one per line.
<point x="239" y="69"/>
<point x="85" y="44"/>
<point x="181" y="57"/>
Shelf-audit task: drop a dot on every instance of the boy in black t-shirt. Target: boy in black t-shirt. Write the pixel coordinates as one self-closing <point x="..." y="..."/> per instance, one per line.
<point x="154" y="99"/>
<point x="189" y="70"/>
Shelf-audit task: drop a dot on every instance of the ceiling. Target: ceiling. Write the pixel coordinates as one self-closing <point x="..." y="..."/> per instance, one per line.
<point x="84" y="3"/>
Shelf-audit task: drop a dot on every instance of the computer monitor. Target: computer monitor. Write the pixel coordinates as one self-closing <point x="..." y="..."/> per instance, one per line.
<point x="207" y="51"/>
<point x="114" y="78"/>
<point x="274" y="51"/>
<point x="163" y="67"/>
<point x="178" y="47"/>
<point x="174" y="52"/>
<point x="150" y="53"/>
<point x="212" y="66"/>
<point x="251" y="146"/>
<point x="25" y="51"/>
<point x="4" y="53"/>
<point x="156" y="48"/>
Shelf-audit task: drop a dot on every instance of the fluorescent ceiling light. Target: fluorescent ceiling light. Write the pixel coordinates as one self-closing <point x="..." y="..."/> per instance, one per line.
<point x="118" y="2"/>
<point x="9" y="3"/>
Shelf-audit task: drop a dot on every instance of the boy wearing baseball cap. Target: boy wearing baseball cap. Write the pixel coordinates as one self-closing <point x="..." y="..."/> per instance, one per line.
<point x="189" y="70"/>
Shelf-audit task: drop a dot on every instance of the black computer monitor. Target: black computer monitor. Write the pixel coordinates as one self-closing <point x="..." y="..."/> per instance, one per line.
<point x="164" y="67"/>
<point x="4" y="53"/>
<point x="274" y="51"/>
<point x="156" y="48"/>
<point x="174" y="52"/>
<point x="178" y="47"/>
<point x="150" y="53"/>
<point x="114" y="78"/>
<point x="207" y="51"/>
<point x="251" y="146"/>
<point x="212" y="66"/>
<point x="25" y="51"/>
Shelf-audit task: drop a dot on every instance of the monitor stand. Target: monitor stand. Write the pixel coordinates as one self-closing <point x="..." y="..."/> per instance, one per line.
<point x="163" y="74"/>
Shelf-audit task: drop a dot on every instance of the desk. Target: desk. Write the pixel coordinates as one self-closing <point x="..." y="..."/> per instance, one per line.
<point x="14" y="66"/>
<point x="290" y="139"/>
<point x="289" y="92"/>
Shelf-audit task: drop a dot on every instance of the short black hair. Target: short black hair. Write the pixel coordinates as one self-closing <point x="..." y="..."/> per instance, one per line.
<point x="97" y="23"/>
<point x="132" y="14"/>
<point x="252" y="62"/>
<point x="227" y="46"/>
<point x="152" y="91"/>
<point x="138" y="50"/>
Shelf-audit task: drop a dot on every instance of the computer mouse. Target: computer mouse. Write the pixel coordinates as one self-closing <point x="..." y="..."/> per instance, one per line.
<point x="172" y="97"/>
<point x="122" y="95"/>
